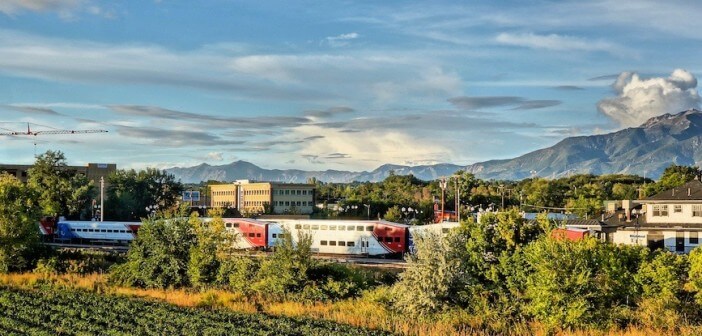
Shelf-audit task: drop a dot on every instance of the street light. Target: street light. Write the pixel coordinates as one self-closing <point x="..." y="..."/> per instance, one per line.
<point x="367" y="207"/>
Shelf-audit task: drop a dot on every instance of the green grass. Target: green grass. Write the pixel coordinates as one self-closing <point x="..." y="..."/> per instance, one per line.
<point x="73" y="312"/>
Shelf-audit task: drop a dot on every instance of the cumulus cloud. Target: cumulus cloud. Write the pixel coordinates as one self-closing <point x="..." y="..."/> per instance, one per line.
<point x="639" y="99"/>
<point x="44" y="111"/>
<point x="215" y="156"/>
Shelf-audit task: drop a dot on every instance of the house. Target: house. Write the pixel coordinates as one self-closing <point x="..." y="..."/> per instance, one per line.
<point x="671" y="219"/>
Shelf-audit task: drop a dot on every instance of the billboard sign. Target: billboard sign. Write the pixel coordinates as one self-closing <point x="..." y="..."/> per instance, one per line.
<point x="191" y="196"/>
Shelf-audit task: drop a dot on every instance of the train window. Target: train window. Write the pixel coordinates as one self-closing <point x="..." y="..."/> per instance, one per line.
<point x="90" y="230"/>
<point x="251" y="234"/>
<point x="109" y="231"/>
<point x="332" y="227"/>
<point x="275" y="235"/>
<point x="236" y="225"/>
<point x="103" y="230"/>
<point x="315" y="227"/>
<point x="397" y="239"/>
<point x="350" y="244"/>
<point x="129" y="231"/>
<point x="306" y="226"/>
<point x="349" y="228"/>
<point x="73" y="230"/>
<point x="359" y="228"/>
<point x="229" y="225"/>
<point x="258" y="235"/>
<point x="298" y="226"/>
<point x="388" y="239"/>
<point x="324" y="227"/>
<point x="323" y="243"/>
<point x="332" y="243"/>
<point x="388" y="228"/>
<point x="369" y="228"/>
<point x="342" y="243"/>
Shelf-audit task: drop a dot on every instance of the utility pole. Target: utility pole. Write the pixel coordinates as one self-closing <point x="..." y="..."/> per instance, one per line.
<point x="102" y="198"/>
<point x="458" y="199"/>
<point x="502" y="191"/>
<point x="442" y="184"/>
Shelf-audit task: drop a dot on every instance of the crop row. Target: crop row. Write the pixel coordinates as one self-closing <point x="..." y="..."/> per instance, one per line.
<point x="72" y="312"/>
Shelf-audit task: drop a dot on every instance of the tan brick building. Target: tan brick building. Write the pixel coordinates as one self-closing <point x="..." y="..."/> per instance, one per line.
<point x="252" y="198"/>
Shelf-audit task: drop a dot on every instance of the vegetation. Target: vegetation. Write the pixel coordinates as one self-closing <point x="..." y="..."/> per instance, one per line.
<point x="131" y="194"/>
<point x="18" y="225"/>
<point x="36" y="313"/>
<point x="60" y="192"/>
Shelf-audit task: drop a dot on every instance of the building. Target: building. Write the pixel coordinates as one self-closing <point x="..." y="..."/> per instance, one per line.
<point x="93" y="171"/>
<point x="671" y="219"/>
<point x="253" y="198"/>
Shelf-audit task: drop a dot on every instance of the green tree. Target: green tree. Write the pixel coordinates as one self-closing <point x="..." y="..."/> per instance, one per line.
<point x="18" y="224"/>
<point x="160" y="255"/>
<point x="394" y="214"/>
<point x="662" y="281"/>
<point x="60" y="191"/>
<point x="434" y="277"/>
<point x="211" y="249"/>
<point x="131" y="192"/>
<point x="285" y="271"/>
<point x="582" y="283"/>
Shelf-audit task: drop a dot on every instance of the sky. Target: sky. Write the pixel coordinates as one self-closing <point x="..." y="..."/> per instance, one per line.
<point x="346" y="85"/>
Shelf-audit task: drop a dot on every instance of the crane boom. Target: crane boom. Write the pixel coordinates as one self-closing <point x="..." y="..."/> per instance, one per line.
<point x="51" y="132"/>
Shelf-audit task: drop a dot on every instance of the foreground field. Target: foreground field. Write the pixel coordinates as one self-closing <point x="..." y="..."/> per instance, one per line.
<point x="62" y="305"/>
<point x="74" y="312"/>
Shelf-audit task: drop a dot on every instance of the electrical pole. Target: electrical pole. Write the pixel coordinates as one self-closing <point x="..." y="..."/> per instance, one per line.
<point x="102" y="198"/>
<point x="442" y="184"/>
<point x="458" y="199"/>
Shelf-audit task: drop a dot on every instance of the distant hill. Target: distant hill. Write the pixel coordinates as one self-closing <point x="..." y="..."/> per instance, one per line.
<point x="649" y="148"/>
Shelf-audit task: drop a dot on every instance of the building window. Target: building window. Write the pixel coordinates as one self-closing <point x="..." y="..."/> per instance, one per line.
<point x="660" y="210"/>
<point x="677" y="208"/>
<point x="693" y="238"/>
<point x="332" y="227"/>
<point x="697" y="211"/>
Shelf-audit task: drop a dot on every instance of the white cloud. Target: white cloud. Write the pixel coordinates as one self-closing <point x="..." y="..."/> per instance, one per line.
<point x="10" y="7"/>
<point x="559" y="43"/>
<point x="640" y="99"/>
<point x="215" y="156"/>
<point x="341" y="40"/>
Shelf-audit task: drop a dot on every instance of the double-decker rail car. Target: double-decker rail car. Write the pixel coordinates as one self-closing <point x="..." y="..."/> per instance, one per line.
<point x="249" y="233"/>
<point x="93" y="231"/>
<point x="346" y="237"/>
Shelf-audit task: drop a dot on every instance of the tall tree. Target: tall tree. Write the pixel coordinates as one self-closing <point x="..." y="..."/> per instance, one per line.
<point x="18" y="224"/>
<point x="60" y="191"/>
<point x="131" y="192"/>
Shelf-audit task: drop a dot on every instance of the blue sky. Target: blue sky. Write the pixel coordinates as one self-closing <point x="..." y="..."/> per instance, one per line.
<point x="336" y="84"/>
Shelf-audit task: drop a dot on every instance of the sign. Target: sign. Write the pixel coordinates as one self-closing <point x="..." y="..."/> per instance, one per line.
<point x="191" y="196"/>
<point x="102" y="165"/>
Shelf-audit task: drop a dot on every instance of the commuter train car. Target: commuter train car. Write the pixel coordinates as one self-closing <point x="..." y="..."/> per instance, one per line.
<point x="347" y="237"/>
<point x="250" y="233"/>
<point x="89" y="232"/>
<point x="438" y="228"/>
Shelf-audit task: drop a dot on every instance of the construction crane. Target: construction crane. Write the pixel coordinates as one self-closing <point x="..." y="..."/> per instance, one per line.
<point x="48" y="132"/>
<point x="52" y="131"/>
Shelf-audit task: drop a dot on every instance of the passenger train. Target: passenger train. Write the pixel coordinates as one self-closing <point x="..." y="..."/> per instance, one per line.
<point x="339" y="237"/>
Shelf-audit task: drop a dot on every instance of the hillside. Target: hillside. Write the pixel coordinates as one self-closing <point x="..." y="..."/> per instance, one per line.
<point x="647" y="149"/>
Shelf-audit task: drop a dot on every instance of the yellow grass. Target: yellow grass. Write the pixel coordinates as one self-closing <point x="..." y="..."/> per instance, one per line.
<point x="354" y="312"/>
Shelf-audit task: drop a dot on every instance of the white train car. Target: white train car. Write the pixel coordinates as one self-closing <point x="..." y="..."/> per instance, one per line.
<point x="346" y="237"/>
<point x="92" y="231"/>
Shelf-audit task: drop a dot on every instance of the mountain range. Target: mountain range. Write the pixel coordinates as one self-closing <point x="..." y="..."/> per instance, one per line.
<point x="645" y="150"/>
